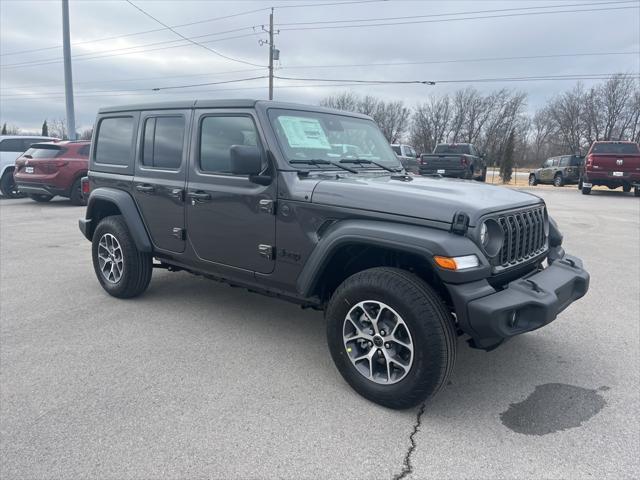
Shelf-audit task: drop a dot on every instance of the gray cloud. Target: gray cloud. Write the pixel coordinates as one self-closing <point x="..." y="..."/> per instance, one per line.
<point x="27" y="25"/>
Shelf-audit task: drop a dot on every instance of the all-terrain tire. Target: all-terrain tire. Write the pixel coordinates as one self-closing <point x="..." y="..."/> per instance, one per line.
<point x="432" y="331"/>
<point x="533" y="181"/>
<point x="586" y="190"/>
<point x="76" y="196"/>
<point x="40" y="198"/>
<point x="626" y="188"/>
<point x="636" y="192"/>
<point x="558" y="181"/>
<point x="137" y="266"/>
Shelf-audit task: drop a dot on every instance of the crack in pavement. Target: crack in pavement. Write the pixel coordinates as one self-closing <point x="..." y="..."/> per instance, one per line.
<point x="407" y="468"/>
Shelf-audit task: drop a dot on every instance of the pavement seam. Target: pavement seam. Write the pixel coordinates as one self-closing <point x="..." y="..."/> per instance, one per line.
<point x="407" y="468"/>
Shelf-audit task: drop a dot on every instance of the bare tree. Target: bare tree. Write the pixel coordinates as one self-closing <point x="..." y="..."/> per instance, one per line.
<point x="58" y="129"/>
<point x="86" y="134"/>
<point x="392" y="117"/>
<point x="431" y="123"/>
<point x="567" y="111"/>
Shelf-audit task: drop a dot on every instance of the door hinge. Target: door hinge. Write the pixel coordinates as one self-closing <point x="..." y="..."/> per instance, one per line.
<point x="266" y="206"/>
<point x="178" y="233"/>
<point x="266" y="251"/>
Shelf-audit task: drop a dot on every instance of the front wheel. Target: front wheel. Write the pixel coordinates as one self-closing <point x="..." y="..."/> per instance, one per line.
<point x="636" y="192"/>
<point x="626" y="188"/>
<point x="122" y="270"/>
<point x="532" y="180"/>
<point x="586" y="190"/>
<point x="40" y="198"/>
<point x="391" y="337"/>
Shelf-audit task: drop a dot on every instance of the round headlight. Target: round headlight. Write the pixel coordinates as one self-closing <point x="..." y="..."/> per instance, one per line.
<point x="484" y="234"/>
<point x="491" y="237"/>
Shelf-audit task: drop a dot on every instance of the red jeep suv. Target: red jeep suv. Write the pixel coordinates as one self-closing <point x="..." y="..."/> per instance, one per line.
<point x="50" y="169"/>
<point x="612" y="164"/>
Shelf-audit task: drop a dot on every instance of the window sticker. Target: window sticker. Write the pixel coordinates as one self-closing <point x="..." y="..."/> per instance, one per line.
<point x="304" y="132"/>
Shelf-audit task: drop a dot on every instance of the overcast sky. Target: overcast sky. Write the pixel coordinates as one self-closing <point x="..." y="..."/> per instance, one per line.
<point x="32" y="85"/>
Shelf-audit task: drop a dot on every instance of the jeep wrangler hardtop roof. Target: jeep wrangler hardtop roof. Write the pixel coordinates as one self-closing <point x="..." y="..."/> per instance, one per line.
<point x="225" y="103"/>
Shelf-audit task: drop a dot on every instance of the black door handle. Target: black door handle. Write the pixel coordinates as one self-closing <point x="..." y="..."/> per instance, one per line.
<point x="145" y="188"/>
<point x="199" y="196"/>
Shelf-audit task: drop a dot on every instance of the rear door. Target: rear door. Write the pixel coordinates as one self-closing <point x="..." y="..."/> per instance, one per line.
<point x="160" y="176"/>
<point x="230" y="220"/>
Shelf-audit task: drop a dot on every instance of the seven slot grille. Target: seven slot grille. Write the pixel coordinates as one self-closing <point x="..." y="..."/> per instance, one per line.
<point x="524" y="236"/>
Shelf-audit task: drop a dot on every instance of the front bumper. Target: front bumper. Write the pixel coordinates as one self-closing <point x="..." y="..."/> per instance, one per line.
<point x="490" y="316"/>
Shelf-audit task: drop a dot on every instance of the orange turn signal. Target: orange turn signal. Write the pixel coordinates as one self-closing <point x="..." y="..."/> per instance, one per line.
<point x="446" y="262"/>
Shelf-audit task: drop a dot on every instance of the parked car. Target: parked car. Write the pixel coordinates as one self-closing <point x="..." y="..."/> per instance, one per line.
<point x="612" y="164"/>
<point x="11" y="146"/>
<point x="49" y="169"/>
<point x="457" y="160"/>
<point x="407" y="156"/>
<point x="250" y="193"/>
<point x="559" y="171"/>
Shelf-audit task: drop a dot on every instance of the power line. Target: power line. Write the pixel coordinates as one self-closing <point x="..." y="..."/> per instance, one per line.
<point x="294" y="67"/>
<point x="92" y="56"/>
<point x="189" y="40"/>
<point x="189" y="24"/>
<point x="325" y="85"/>
<point x="331" y="27"/>
<point x="589" y="4"/>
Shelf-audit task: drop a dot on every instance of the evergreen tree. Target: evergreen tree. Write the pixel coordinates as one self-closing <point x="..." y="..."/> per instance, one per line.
<point x="4" y="128"/>
<point x="45" y="129"/>
<point x="506" y="166"/>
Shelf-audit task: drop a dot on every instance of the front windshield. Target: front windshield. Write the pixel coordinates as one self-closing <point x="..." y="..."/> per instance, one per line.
<point x="308" y="136"/>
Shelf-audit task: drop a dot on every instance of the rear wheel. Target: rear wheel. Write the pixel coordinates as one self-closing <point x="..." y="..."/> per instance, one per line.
<point x="8" y="185"/>
<point x="533" y="181"/>
<point x="558" y="181"/>
<point x="391" y="337"/>
<point x="636" y="191"/>
<point x="626" y="188"/>
<point x="76" y="196"/>
<point x="122" y="270"/>
<point x="40" y="198"/>
<point x="586" y="190"/>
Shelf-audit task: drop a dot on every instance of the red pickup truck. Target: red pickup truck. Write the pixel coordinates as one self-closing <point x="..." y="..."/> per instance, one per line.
<point x="612" y="164"/>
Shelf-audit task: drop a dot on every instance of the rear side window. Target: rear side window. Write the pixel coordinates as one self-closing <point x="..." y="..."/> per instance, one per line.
<point x="564" y="161"/>
<point x="163" y="142"/>
<point x="12" y="145"/>
<point x="576" y="161"/>
<point x="114" y="140"/>
<point x="396" y="148"/>
<point x="84" y="150"/>
<point x="217" y="136"/>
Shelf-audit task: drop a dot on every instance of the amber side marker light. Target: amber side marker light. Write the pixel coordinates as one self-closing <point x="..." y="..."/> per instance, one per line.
<point x="457" y="263"/>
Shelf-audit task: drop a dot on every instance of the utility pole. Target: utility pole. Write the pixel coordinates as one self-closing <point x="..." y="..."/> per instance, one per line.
<point x="271" y="55"/>
<point x="274" y="53"/>
<point x="68" y="78"/>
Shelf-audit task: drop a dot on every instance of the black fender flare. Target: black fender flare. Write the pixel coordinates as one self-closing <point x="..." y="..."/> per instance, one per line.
<point x="420" y="240"/>
<point x="127" y="206"/>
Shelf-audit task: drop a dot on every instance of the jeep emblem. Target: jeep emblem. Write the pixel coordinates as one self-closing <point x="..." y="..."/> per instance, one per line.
<point x="619" y="161"/>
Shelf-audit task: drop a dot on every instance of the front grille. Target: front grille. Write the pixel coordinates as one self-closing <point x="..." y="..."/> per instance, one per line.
<point x="524" y="236"/>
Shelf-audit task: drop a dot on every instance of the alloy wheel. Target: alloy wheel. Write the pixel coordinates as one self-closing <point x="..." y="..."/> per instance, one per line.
<point x="378" y="342"/>
<point x="110" y="258"/>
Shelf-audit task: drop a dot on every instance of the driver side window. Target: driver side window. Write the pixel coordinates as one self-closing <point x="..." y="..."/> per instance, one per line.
<point x="218" y="134"/>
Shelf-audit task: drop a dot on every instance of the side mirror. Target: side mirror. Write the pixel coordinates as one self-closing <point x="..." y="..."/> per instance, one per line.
<point x="245" y="160"/>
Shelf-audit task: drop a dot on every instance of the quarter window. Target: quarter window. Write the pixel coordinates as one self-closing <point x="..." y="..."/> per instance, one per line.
<point x="12" y="145"/>
<point x="114" y="141"/>
<point x="163" y="142"/>
<point x="218" y="134"/>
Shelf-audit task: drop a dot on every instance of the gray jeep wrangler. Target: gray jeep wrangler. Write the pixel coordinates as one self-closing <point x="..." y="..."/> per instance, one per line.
<point x="312" y="206"/>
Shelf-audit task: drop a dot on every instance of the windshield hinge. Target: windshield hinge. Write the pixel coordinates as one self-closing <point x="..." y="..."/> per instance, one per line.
<point x="460" y="223"/>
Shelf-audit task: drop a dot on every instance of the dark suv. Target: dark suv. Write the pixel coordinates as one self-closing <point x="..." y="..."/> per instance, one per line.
<point x="559" y="171"/>
<point x="264" y="195"/>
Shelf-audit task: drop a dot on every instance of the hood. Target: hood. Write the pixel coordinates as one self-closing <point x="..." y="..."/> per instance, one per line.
<point x="429" y="198"/>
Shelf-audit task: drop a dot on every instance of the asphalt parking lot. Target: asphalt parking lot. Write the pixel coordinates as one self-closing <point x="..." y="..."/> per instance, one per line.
<point x="196" y="379"/>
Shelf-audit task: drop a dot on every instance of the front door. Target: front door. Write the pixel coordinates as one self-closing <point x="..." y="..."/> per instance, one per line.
<point x="230" y="220"/>
<point x="160" y="176"/>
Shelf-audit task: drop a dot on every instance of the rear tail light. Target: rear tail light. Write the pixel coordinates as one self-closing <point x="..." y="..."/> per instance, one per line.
<point x="589" y="161"/>
<point x="86" y="188"/>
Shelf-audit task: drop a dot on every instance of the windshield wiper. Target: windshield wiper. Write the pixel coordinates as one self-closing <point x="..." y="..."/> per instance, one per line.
<point x="362" y="161"/>
<point x="318" y="162"/>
